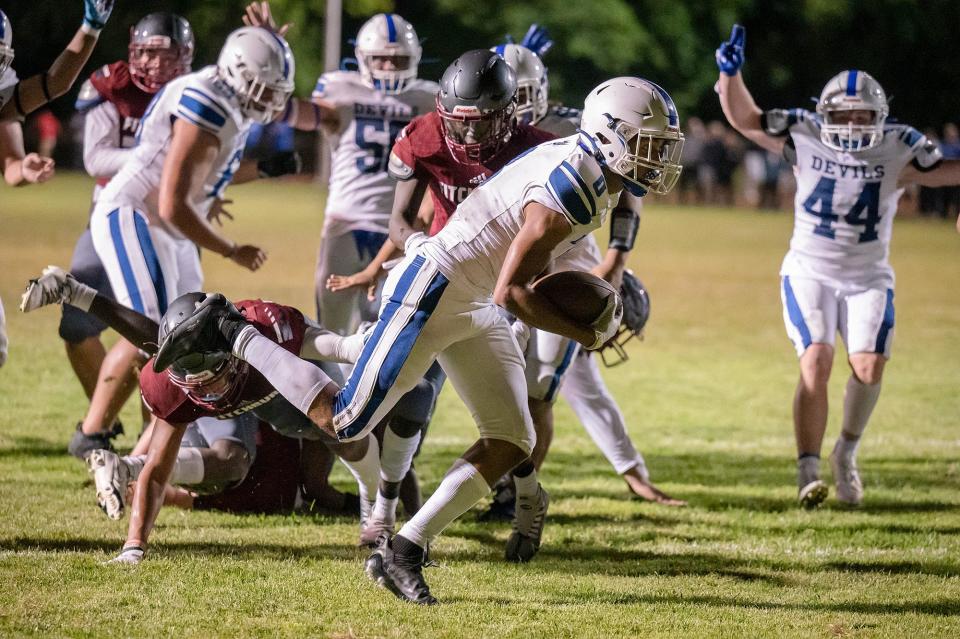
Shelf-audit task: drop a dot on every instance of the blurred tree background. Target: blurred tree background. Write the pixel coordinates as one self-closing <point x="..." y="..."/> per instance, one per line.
<point x="793" y="47"/>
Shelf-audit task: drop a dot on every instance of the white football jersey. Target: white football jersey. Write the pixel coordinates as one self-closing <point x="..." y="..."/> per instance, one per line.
<point x="361" y="191"/>
<point x="845" y="202"/>
<point x="201" y="99"/>
<point x="7" y="83"/>
<point x="563" y="175"/>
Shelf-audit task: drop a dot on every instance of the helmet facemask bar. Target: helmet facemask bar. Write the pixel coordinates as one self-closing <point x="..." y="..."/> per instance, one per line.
<point x="614" y="352"/>
<point x="6" y="57"/>
<point x="263" y="102"/>
<point x="388" y="81"/>
<point x="206" y="377"/>
<point x="494" y="130"/>
<point x="171" y="61"/>
<point x="848" y="136"/>
<point x="531" y="102"/>
<point x="650" y="160"/>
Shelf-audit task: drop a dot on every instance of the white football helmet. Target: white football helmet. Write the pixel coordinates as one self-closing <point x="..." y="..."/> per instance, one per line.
<point x="258" y="65"/>
<point x="6" y="42"/>
<point x="852" y="91"/>
<point x="532" y="84"/>
<point x="635" y="126"/>
<point x="387" y="35"/>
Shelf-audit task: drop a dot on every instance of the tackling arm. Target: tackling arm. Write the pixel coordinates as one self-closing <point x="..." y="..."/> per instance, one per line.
<point x="406" y="204"/>
<point x="529" y="254"/>
<point x="743" y="114"/>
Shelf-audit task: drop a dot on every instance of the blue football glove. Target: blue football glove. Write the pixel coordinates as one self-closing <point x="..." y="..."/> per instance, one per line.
<point x="537" y="39"/>
<point x="730" y="53"/>
<point x="96" y="13"/>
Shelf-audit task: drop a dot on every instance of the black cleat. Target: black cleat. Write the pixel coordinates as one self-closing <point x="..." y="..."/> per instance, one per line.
<point x="82" y="445"/>
<point x="406" y="583"/>
<point x="503" y="505"/>
<point x="524" y="541"/>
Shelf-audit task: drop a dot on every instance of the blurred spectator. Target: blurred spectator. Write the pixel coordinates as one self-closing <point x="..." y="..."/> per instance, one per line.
<point x="694" y="139"/>
<point x="950" y="146"/>
<point x="721" y="155"/>
<point x="48" y="131"/>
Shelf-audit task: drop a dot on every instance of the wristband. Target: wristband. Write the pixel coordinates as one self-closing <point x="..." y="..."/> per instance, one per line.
<point x="233" y="250"/>
<point x="89" y="29"/>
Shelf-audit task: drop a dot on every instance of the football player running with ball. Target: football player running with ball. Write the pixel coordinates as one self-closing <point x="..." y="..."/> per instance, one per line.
<point x="851" y="166"/>
<point x="441" y="305"/>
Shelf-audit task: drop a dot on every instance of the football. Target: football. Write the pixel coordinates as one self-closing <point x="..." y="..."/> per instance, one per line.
<point x="581" y="295"/>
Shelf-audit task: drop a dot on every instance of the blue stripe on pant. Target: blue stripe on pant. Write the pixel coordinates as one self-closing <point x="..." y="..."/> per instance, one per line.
<point x="886" y="324"/>
<point x="153" y="262"/>
<point x="561" y="369"/>
<point x="124" y="259"/>
<point x="793" y="310"/>
<point x="397" y="352"/>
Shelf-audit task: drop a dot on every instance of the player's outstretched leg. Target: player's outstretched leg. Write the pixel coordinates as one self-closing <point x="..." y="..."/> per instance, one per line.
<point x="859" y="400"/>
<point x="810" y="422"/>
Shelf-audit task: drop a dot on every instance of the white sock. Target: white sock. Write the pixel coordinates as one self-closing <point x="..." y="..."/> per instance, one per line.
<point x="366" y="470"/>
<point x="135" y="464"/>
<point x="188" y="469"/>
<point x="385" y="509"/>
<point x="526" y="486"/>
<point x="298" y="380"/>
<point x="397" y="455"/>
<point x="858" y="403"/>
<point x="459" y="491"/>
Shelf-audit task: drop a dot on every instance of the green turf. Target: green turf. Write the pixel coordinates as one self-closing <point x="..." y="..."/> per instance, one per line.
<point x="707" y="396"/>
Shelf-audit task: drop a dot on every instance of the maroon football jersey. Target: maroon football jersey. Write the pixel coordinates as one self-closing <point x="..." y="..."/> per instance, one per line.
<point x="282" y="324"/>
<point x="420" y="152"/>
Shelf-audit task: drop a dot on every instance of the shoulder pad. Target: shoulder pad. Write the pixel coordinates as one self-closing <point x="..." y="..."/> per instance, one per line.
<point x="199" y="105"/>
<point x="88" y="97"/>
<point x="576" y="183"/>
<point x="777" y="122"/>
<point x="331" y="82"/>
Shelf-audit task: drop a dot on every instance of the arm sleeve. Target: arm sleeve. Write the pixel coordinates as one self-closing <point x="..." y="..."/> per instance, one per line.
<point x="403" y="161"/>
<point x="102" y="157"/>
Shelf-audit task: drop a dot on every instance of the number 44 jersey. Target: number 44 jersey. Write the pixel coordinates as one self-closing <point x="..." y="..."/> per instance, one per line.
<point x="361" y="191"/>
<point x="845" y="202"/>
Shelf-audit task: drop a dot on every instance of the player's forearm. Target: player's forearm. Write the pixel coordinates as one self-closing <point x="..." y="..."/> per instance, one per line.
<point x="104" y="160"/>
<point x="611" y="268"/>
<point x="13" y="173"/>
<point x="537" y="311"/>
<point x="323" y="345"/>
<point x="195" y="228"/>
<point x="947" y="173"/>
<point x="738" y="106"/>
<point x="36" y="91"/>
<point x="147" y="501"/>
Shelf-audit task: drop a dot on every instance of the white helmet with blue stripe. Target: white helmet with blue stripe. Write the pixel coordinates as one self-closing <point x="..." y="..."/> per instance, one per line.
<point x="258" y="65"/>
<point x="848" y="91"/>
<point x="388" y="52"/>
<point x="6" y="42"/>
<point x="532" y="85"/>
<point x="636" y="129"/>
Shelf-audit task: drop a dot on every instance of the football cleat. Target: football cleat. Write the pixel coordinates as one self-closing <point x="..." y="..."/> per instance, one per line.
<point x="847" y="478"/>
<point x="503" y="505"/>
<point x="812" y="494"/>
<point x="110" y="476"/>
<point x="406" y="583"/>
<point x="82" y="444"/>
<point x="524" y="541"/>
<point x="54" y="286"/>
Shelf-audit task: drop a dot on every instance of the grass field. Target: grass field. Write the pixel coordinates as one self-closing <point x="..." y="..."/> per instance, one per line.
<point x="707" y="397"/>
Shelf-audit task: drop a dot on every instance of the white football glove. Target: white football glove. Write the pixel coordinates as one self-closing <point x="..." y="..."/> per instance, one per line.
<point x="56" y="286"/>
<point x="131" y="556"/>
<point x="607" y="325"/>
